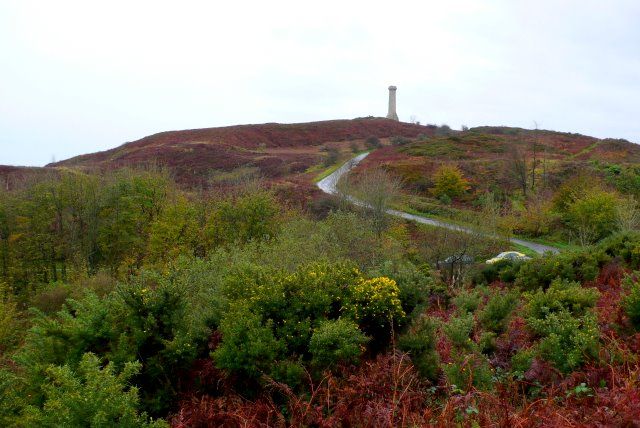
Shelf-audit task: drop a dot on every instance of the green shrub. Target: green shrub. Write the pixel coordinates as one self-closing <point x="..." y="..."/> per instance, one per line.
<point x="579" y="266"/>
<point x="487" y="342"/>
<point x="332" y="157"/>
<point x="336" y="341"/>
<point x="445" y="199"/>
<point x="625" y="246"/>
<point x="89" y="396"/>
<point x="312" y="313"/>
<point x="561" y="296"/>
<point x="291" y="373"/>
<point x="521" y="361"/>
<point x="249" y="217"/>
<point x="562" y="317"/>
<point x="631" y="302"/>
<point x="495" y="315"/>
<point x="248" y="347"/>
<point x="491" y="272"/>
<point x="592" y="216"/>
<point x="144" y="320"/>
<point x="509" y="273"/>
<point x="467" y="371"/>
<point x="10" y="321"/>
<point x="568" y="341"/>
<point x="415" y="284"/>
<point x="420" y="343"/>
<point x="12" y="398"/>
<point x="374" y="303"/>
<point x="459" y="330"/>
<point x="467" y="301"/>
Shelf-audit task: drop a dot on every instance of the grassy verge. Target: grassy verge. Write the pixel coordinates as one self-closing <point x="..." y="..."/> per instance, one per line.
<point x="552" y="243"/>
<point x="524" y="250"/>
<point x="329" y="170"/>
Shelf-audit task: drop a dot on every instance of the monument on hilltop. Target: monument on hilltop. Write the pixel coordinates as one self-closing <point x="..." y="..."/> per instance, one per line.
<point x="392" y="104"/>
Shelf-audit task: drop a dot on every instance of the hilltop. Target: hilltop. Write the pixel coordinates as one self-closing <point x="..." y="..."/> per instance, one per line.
<point x="296" y="152"/>
<point x="276" y="150"/>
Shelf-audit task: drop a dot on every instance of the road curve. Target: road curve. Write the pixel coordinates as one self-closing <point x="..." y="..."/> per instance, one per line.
<point x="329" y="184"/>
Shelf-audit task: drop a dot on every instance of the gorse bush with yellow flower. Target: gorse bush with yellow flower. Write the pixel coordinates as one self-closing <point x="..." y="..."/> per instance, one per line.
<point x="309" y="314"/>
<point x="375" y="300"/>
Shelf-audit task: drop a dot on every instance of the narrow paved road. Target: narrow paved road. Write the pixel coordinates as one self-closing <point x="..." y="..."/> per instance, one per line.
<point x="329" y="185"/>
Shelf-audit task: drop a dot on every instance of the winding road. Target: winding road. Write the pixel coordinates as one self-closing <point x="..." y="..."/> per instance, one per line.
<point x="329" y="184"/>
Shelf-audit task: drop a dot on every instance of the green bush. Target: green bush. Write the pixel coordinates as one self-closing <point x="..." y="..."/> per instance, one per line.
<point x="445" y="199"/>
<point x="252" y="216"/>
<point x="625" y="246"/>
<point x="631" y="302"/>
<point x="592" y="216"/>
<point x="291" y="373"/>
<point x="568" y="341"/>
<point x="144" y="320"/>
<point x="487" y="342"/>
<point x="312" y="313"/>
<point x="374" y="303"/>
<point x="12" y="398"/>
<point x="561" y="296"/>
<point x="521" y="361"/>
<point x="420" y="343"/>
<point x="336" y="341"/>
<point x="10" y="321"/>
<point x="492" y="272"/>
<point x="415" y="284"/>
<point x="248" y="347"/>
<point x="467" y="371"/>
<point x="579" y="266"/>
<point x="459" y="330"/>
<point x="563" y="318"/>
<point x="332" y="157"/>
<point x="467" y="301"/>
<point x="89" y="396"/>
<point x="495" y="315"/>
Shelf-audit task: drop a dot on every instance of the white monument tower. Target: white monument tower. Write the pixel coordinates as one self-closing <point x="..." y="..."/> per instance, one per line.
<point x="392" y="104"/>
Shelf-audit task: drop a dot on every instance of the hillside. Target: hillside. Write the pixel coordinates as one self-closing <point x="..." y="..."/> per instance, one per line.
<point x="275" y="149"/>
<point x="486" y="155"/>
<point x="526" y="176"/>
<point x="11" y="176"/>
<point x="130" y="300"/>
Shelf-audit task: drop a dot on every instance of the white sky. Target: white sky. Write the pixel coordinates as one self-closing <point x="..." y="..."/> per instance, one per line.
<point x="82" y="76"/>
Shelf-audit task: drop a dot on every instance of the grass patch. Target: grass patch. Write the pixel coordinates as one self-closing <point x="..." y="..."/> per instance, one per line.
<point x="524" y="250"/>
<point x="328" y="171"/>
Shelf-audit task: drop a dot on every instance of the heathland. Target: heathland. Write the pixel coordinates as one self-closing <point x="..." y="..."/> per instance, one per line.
<point x="200" y="278"/>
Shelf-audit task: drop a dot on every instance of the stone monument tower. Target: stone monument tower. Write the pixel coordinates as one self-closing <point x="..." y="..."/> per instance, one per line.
<point x="392" y="104"/>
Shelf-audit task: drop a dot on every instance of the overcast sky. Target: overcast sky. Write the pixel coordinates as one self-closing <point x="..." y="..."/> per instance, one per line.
<point x="83" y="76"/>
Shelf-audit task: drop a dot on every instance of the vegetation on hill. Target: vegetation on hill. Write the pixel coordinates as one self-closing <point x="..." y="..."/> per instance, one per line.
<point x="273" y="150"/>
<point x="540" y="184"/>
<point x="128" y="301"/>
